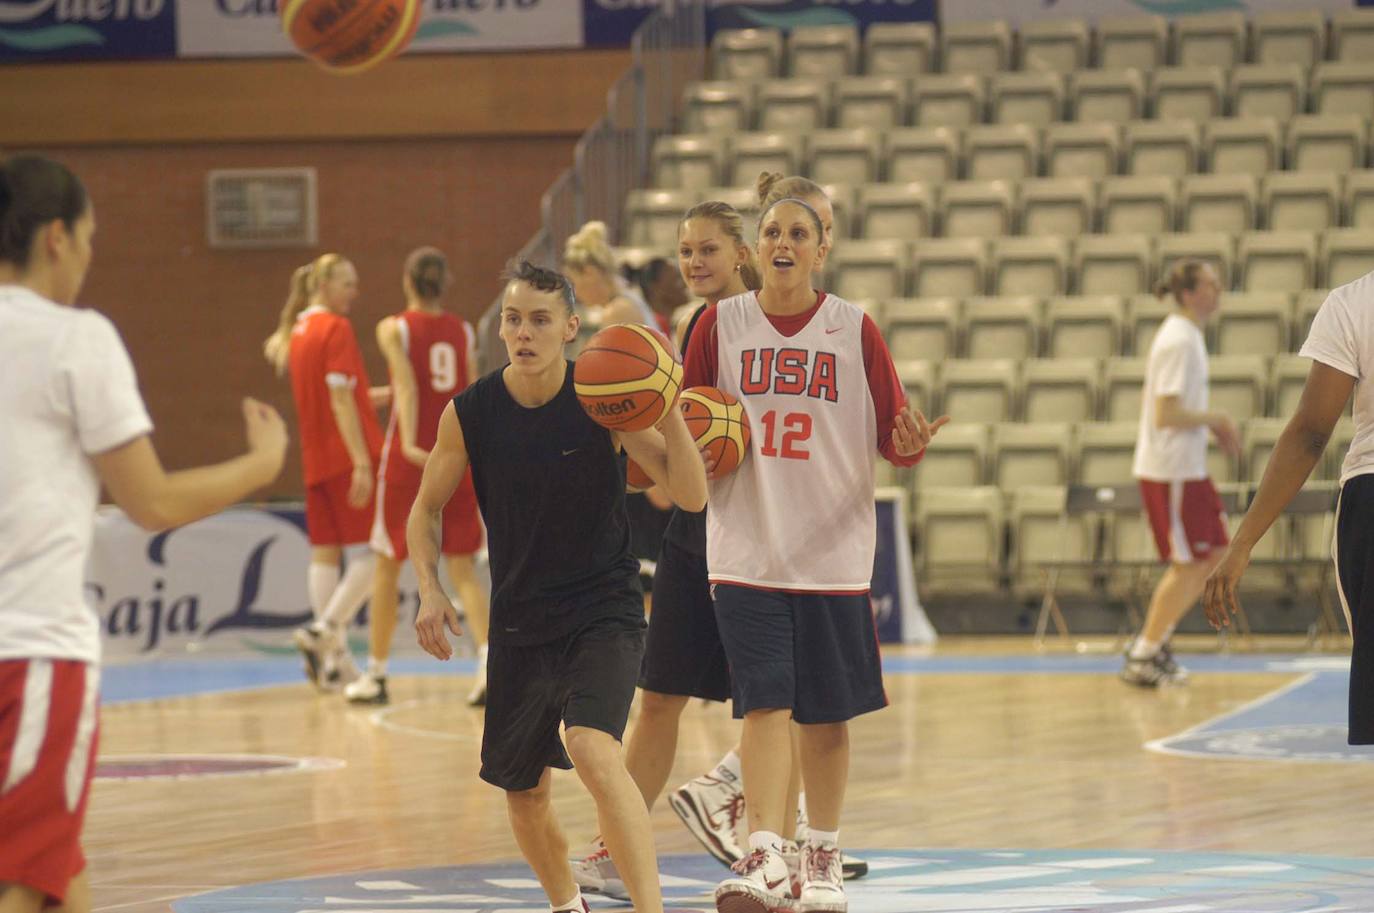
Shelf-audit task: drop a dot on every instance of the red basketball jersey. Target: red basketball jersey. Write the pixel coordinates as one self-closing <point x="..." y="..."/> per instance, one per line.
<point x="325" y="352"/>
<point x="438" y="347"/>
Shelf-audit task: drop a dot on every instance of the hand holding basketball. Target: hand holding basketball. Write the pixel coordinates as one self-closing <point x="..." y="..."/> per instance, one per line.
<point x="912" y="432"/>
<point x="719" y="426"/>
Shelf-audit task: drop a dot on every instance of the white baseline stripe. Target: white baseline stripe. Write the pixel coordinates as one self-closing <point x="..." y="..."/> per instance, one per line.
<point x="1161" y="745"/>
<point x="33" y="722"/>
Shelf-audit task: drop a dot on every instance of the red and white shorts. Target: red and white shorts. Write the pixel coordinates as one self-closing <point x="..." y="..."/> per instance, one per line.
<point x="1187" y="518"/>
<point x="49" y="726"/>
<point x="461" y="527"/>
<point x="329" y="520"/>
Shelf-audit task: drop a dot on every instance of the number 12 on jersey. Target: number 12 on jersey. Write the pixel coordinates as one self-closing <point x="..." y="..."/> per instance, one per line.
<point x="796" y="431"/>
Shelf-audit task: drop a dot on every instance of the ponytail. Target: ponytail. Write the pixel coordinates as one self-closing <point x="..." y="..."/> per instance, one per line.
<point x="277" y="348"/>
<point x="35" y="191"/>
<point x="427" y="270"/>
<point x="1184" y="276"/>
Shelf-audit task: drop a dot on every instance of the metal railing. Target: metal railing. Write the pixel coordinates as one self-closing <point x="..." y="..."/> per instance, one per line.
<point x="612" y="158"/>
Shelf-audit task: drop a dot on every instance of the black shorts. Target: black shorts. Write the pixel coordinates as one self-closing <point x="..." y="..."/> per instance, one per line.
<point x="683" y="653"/>
<point x="815" y="654"/>
<point x="584" y="679"/>
<point x="1354" y="554"/>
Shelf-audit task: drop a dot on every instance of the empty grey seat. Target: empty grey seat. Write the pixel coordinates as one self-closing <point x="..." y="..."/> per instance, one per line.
<point x="1256" y="323"/>
<point x="1105" y="452"/>
<point x="1168" y="148"/>
<point x="1217" y="248"/>
<point x="845" y="156"/>
<point x="977" y="209"/>
<point x="718" y="107"/>
<point x="1024" y="455"/>
<point x="1249" y="145"/>
<point x="1144" y="315"/>
<point x="1219" y="202"/>
<point x="1277" y="261"/>
<point x="956" y="100"/>
<point x="1138" y="204"/>
<point x="1347" y="254"/>
<point x="823" y="51"/>
<point x="1141" y="42"/>
<point x="652" y="216"/>
<point x="876" y="102"/>
<point x="930" y="154"/>
<point x="1188" y="93"/>
<point x="1084" y="327"/>
<point x="746" y="54"/>
<point x="901" y="211"/>
<point x="1060" y="389"/>
<point x="1343" y="88"/>
<point x="689" y="162"/>
<point x="1054" y="45"/>
<point x="981" y="390"/>
<point x="975" y="47"/>
<point x="1065" y="207"/>
<point x="1123" y="381"/>
<point x="1301" y="200"/>
<point x="1269" y="90"/>
<point x="1030" y="266"/>
<point x="1289" y="37"/>
<point x="1237" y="385"/>
<point x="1352" y="34"/>
<point x="1326" y="143"/>
<point x="793" y="104"/>
<point x="1358" y="199"/>
<point x="922" y="328"/>
<point x="1001" y="152"/>
<point x="899" y="48"/>
<point x="949" y="266"/>
<point x="1026" y="98"/>
<point x="752" y="153"/>
<point x="1082" y="150"/>
<point x="1115" y="96"/>
<point x="1112" y="264"/>
<point x="869" y="269"/>
<point x="1005" y="327"/>
<point x="1218" y="39"/>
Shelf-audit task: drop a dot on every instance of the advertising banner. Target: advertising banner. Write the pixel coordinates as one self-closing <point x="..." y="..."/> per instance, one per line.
<point x="251" y="28"/>
<point x="233" y="583"/>
<point x="612" y="22"/>
<point x="1024" y="10"/>
<point x="897" y="610"/>
<point x="86" y="29"/>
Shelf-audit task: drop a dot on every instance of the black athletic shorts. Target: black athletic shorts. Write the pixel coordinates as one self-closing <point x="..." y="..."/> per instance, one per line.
<point x="683" y="653"/>
<point x="584" y="679"/>
<point x="815" y="654"/>
<point x="1354" y="554"/>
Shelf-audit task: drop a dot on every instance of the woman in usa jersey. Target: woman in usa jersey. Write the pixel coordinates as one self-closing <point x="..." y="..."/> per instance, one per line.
<point x="790" y="542"/>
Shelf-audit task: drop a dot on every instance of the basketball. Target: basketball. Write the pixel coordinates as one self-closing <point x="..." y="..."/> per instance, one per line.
<point x="719" y="426"/>
<point x="349" y="36"/>
<point x="636" y="479"/>
<point x="628" y="377"/>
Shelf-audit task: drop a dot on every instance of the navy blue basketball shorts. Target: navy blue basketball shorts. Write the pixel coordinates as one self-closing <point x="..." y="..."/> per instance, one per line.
<point x="683" y="654"/>
<point x="815" y="654"/>
<point x="1354" y="555"/>
<point x="584" y="679"/>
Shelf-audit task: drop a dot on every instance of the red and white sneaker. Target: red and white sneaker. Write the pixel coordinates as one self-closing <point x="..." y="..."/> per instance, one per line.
<point x="822" y="888"/>
<point x="760" y="884"/>
<point x="711" y="807"/>
<point x="595" y="873"/>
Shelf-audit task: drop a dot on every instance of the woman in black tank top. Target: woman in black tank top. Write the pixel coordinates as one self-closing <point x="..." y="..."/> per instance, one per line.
<point x="567" y="625"/>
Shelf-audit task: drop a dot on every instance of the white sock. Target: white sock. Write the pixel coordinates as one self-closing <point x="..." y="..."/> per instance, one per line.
<point x="765" y="840"/>
<point x="1144" y="649"/>
<point x="728" y="767"/>
<point x="575" y="904"/>
<point x="376" y="667"/>
<point x="320" y="582"/>
<point x="353" y="589"/>
<point x="824" y="838"/>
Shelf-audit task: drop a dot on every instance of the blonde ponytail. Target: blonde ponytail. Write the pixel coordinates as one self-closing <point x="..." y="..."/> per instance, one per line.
<point x="589" y="247"/>
<point x="305" y="282"/>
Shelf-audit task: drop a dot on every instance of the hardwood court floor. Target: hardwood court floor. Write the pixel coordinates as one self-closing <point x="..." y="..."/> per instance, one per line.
<point x="960" y="760"/>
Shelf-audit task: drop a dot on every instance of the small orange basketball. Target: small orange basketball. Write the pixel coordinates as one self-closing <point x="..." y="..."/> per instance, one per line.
<point x="628" y="377"/>
<point x="349" y="36"/>
<point x="719" y="425"/>
<point x="636" y="479"/>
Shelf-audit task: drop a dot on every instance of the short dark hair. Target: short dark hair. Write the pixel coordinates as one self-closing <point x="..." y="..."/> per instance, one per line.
<point x="540" y="279"/>
<point x="33" y="192"/>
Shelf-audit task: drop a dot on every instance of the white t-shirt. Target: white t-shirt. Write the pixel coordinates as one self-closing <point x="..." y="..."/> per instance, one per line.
<point x="1177" y="366"/>
<point x="67" y="392"/>
<point x="1342" y="337"/>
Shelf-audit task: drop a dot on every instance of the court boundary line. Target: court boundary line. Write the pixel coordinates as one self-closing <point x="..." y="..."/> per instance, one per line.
<point x="1159" y="745"/>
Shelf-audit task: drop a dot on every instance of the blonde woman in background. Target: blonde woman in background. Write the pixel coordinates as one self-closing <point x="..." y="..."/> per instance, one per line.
<point x="600" y="289"/>
<point x="340" y="444"/>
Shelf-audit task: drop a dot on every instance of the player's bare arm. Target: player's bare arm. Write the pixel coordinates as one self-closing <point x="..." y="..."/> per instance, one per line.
<point x="443" y="473"/>
<point x="671" y="458"/>
<point x="404" y="399"/>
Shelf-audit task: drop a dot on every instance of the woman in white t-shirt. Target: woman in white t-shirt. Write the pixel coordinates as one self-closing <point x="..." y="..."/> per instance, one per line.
<point x="73" y="419"/>
<point x="1341" y="346"/>
<point x="1182" y="504"/>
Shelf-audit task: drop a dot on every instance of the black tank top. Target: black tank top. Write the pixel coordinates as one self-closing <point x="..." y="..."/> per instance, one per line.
<point x="687" y="529"/>
<point x="551" y="488"/>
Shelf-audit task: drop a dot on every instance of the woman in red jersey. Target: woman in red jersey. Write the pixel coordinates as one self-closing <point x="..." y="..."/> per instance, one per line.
<point x="340" y="443"/>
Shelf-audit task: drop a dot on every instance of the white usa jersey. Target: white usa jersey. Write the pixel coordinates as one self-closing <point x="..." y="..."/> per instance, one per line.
<point x="798" y="514"/>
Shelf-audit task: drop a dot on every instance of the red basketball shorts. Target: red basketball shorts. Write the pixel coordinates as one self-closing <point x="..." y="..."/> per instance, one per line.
<point x="461" y="527"/>
<point x="1187" y="518"/>
<point x="49" y="722"/>
<point x="329" y="520"/>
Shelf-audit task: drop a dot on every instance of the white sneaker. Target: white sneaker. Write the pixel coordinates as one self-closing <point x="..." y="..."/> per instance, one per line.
<point x="822" y="888"/>
<point x="339" y="668"/>
<point x="760" y="884"/>
<point x="791" y="854"/>
<point x="711" y="807"/>
<point x="315" y="646"/>
<point x="367" y="689"/>
<point x="477" y="697"/>
<point x="595" y="873"/>
<point x="851" y="866"/>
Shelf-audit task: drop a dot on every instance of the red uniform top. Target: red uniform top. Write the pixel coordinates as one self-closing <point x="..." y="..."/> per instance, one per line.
<point x="438" y="346"/>
<point x="325" y="354"/>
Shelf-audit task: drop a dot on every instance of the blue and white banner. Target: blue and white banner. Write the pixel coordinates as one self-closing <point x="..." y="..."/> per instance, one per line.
<point x="897" y="610"/>
<point x="612" y="22"/>
<point x="86" y="29"/>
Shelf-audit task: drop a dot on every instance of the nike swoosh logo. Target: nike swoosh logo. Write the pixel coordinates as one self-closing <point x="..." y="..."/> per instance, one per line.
<point x="772" y="885"/>
<point x="574" y="450"/>
<point x="833" y="330"/>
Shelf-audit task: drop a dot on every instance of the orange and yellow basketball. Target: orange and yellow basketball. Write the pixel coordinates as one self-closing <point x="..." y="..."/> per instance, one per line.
<point x="628" y="377"/>
<point x="349" y="36"/>
<point x="636" y="479"/>
<point x="719" y="425"/>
